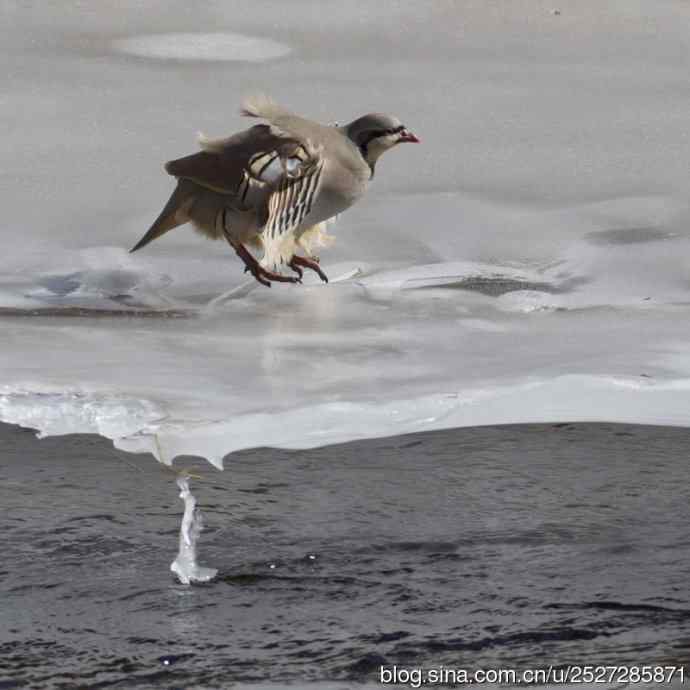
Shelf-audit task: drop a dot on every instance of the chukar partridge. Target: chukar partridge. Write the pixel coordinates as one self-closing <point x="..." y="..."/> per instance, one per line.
<point x="272" y="186"/>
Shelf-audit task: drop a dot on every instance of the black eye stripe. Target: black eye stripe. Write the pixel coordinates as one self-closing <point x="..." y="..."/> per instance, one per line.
<point x="370" y="135"/>
<point x="383" y="133"/>
<point x="393" y="130"/>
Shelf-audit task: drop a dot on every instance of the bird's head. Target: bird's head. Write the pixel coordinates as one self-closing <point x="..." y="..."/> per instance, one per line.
<point x="376" y="133"/>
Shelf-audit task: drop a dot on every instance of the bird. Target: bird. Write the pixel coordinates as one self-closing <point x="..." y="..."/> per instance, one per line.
<point x="274" y="185"/>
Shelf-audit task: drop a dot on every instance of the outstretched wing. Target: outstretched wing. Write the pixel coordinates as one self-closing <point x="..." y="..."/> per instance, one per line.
<point x="261" y="157"/>
<point x="267" y="168"/>
<point x="223" y="164"/>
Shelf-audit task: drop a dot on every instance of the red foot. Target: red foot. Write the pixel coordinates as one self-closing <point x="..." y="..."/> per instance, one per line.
<point x="298" y="261"/>
<point x="262" y="275"/>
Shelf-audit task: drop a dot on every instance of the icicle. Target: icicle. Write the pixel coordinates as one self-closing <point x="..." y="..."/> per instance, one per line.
<point x="185" y="566"/>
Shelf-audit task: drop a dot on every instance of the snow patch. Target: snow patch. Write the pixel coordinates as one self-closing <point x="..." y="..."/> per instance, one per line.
<point x="223" y="46"/>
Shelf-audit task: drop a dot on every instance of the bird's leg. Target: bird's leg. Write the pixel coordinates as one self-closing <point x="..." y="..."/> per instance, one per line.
<point x="251" y="264"/>
<point x="313" y="264"/>
<point x="262" y="275"/>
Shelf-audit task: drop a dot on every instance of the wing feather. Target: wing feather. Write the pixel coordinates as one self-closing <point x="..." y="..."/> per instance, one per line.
<point x="223" y="163"/>
<point x="265" y="167"/>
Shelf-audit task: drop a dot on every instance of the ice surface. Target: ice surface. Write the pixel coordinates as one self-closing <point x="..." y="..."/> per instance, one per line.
<point x="185" y="565"/>
<point x="526" y="262"/>
<point x="55" y="413"/>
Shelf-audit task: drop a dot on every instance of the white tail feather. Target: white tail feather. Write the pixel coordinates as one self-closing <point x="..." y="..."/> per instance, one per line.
<point x="263" y="107"/>
<point x="209" y="144"/>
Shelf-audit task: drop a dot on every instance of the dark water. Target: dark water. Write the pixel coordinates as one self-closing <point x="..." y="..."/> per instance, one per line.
<point x="499" y="546"/>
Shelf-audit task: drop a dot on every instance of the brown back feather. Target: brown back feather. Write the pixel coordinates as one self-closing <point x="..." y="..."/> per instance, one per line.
<point x="222" y="167"/>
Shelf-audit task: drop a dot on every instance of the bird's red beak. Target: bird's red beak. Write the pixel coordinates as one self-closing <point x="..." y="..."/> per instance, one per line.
<point x="407" y="136"/>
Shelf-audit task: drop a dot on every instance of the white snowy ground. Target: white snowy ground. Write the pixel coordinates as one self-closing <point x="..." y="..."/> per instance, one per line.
<point x="529" y="261"/>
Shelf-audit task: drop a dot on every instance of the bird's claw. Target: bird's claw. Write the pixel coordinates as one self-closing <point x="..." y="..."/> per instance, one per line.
<point x="312" y="264"/>
<point x="264" y="276"/>
<point x="297" y="270"/>
<point x="261" y="274"/>
<point x="260" y="278"/>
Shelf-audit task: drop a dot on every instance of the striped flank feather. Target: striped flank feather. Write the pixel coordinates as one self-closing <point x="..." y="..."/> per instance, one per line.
<point x="291" y="203"/>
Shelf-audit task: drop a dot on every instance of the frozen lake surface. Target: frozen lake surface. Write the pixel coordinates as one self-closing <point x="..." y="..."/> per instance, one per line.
<point x="496" y="547"/>
<point x="527" y="262"/>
